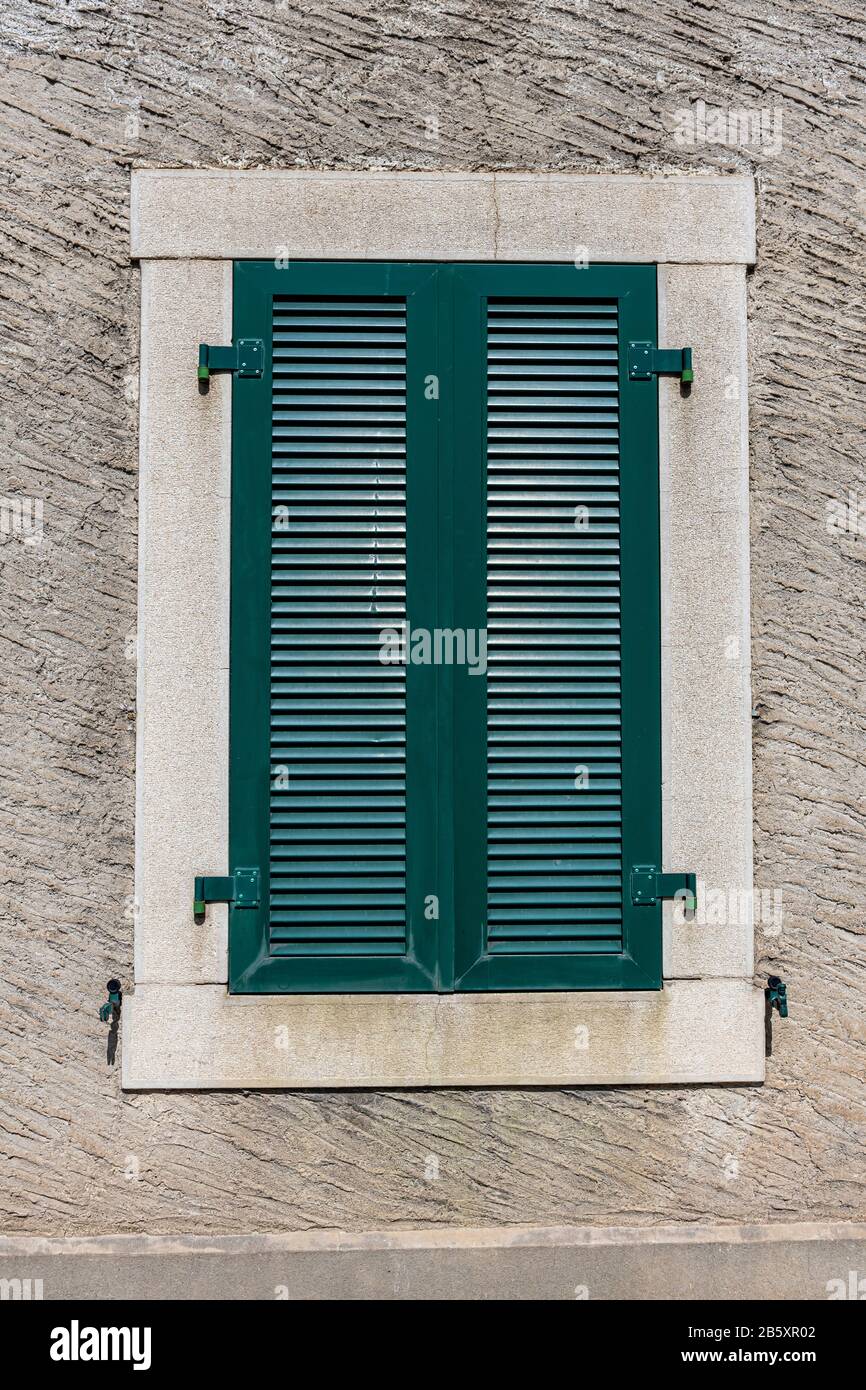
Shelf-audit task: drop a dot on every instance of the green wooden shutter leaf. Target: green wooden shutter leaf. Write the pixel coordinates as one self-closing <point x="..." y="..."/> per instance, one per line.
<point x="550" y="422"/>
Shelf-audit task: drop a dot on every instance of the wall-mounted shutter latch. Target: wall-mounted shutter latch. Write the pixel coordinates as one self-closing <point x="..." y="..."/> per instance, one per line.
<point x="777" y="995"/>
<point x="110" y="1010"/>
<point x="649" y="885"/>
<point x="246" y="357"/>
<point x="241" y="889"/>
<point x="645" y="361"/>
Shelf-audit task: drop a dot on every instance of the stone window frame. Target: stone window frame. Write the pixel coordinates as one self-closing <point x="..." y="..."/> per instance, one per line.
<point x="182" y="1029"/>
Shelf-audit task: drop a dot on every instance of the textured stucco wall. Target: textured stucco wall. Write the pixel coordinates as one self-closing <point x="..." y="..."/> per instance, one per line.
<point x="87" y="91"/>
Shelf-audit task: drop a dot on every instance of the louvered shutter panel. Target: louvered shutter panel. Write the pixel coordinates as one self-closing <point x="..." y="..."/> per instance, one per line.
<point x="554" y="806"/>
<point x="338" y="715"/>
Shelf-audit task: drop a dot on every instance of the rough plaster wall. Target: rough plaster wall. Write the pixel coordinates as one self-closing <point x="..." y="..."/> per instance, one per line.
<point x="89" y="89"/>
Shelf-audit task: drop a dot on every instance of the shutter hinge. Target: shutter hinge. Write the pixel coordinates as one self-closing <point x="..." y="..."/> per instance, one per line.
<point x="649" y="885"/>
<point x="246" y="357"/>
<point x="241" y="889"/>
<point x="645" y="361"/>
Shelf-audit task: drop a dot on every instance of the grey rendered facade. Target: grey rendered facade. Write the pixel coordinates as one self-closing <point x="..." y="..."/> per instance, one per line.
<point x="606" y="89"/>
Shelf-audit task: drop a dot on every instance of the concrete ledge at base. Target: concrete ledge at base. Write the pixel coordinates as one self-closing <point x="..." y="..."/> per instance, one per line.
<point x="386" y="215"/>
<point x="814" y="1261"/>
<point x="200" y="1037"/>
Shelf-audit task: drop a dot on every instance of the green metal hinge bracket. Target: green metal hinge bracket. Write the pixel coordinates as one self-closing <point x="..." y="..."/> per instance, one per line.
<point x="246" y="357"/>
<point x="645" y="361"/>
<point x="649" y="885"/>
<point x="241" y="889"/>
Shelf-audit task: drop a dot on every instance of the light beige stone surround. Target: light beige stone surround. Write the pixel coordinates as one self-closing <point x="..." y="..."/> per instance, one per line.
<point x="181" y="1028"/>
<point x="219" y="215"/>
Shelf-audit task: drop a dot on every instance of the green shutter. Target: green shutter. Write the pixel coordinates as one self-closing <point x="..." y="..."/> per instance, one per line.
<point x="551" y="422"/>
<point x="342" y="744"/>
<point x="419" y="827"/>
